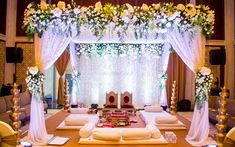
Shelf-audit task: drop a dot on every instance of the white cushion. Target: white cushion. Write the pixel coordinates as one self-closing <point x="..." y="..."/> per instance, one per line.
<point x="86" y="130"/>
<point x="107" y="134"/>
<point x="153" y="109"/>
<point x="166" y="120"/>
<point x="155" y="132"/>
<point x="70" y="121"/>
<point x="136" y="134"/>
<point x="79" y="110"/>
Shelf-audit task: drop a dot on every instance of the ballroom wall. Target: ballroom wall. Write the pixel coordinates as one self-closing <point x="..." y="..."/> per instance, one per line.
<point x="2" y="61"/>
<point x="224" y="31"/>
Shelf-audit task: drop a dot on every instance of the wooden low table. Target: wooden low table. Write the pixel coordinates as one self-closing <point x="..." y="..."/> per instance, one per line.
<point x="118" y="118"/>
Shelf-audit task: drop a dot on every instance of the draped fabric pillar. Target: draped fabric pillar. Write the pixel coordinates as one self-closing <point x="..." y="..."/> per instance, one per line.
<point x="48" y="49"/>
<point x="191" y="48"/>
<point x="61" y="65"/>
<point x="163" y="96"/>
<point x="74" y="64"/>
<point x="176" y="71"/>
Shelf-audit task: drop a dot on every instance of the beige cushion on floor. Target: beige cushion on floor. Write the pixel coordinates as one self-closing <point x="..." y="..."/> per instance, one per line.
<point x="107" y="134"/>
<point x="166" y="120"/>
<point x="86" y="130"/>
<point x="154" y="131"/>
<point x="136" y="134"/>
<point x="79" y="110"/>
<point x="70" y="121"/>
<point x="153" y="109"/>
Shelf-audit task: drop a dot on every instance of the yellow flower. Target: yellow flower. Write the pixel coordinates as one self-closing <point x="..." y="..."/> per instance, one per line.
<point x="43" y="5"/>
<point x="115" y="19"/>
<point x="61" y="5"/>
<point x="211" y="17"/>
<point x="144" y="7"/>
<point x="83" y="9"/>
<point x="156" y="6"/>
<point x="181" y="7"/>
<point x="98" y="5"/>
<point x="123" y="13"/>
<point x="190" y="5"/>
<point x="130" y="8"/>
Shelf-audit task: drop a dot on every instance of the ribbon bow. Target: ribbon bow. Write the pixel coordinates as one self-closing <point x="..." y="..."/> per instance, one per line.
<point x="10" y="140"/>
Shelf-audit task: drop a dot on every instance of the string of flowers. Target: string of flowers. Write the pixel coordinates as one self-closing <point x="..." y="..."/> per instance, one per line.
<point x="34" y="79"/>
<point x="204" y="79"/>
<point x="157" y="18"/>
<point x="102" y="49"/>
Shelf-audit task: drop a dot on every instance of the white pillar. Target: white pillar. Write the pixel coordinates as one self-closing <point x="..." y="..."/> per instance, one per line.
<point x="10" y="36"/>
<point x="229" y="45"/>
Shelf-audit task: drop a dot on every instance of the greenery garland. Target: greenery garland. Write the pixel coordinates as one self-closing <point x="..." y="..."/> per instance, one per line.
<point x="157" y="18"/>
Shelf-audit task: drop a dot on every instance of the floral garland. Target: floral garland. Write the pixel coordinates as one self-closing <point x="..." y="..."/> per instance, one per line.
<point x="204" y="79"/>
<point x="114" y="49"/>
<point x="75" y="77"/>
<point x="34" y="79"/>
<point x="100" y="18"/>
<point x="162" y="80"/>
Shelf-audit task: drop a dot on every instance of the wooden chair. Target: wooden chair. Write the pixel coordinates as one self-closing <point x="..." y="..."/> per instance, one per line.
<point x="126" y="102"/>
<point x="111" y="101"/>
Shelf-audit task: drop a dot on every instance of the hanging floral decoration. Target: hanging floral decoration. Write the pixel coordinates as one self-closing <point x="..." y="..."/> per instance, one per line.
<point x="204" y="79"/>
<point x="75" y="77"/>
<point x="117" y="49"/>
<point x="157" y="18"/>
<point x="34" y="79"/>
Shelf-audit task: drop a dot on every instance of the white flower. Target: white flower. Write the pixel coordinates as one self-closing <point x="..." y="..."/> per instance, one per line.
<point x="201" y="80"/>
<point x="205" y="71"/>
<point x="57" y="12"/>
<point x="76" y="11"/>
<point x="168" y="25"/>
<point x="33" y="70"/>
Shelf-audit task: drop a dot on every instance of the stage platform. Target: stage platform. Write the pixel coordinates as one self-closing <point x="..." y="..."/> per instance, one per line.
<point x="55" y="120"/>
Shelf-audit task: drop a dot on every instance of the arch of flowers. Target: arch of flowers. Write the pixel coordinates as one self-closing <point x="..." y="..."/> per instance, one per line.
<point x="182" y="27"/>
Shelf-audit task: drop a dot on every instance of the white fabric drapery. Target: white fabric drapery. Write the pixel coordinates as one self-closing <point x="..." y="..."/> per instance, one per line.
<point x="47" y="50"/>
<point x="138" y="75"/>
<point x="74" y="63"/>
<point x="191" y="49"/>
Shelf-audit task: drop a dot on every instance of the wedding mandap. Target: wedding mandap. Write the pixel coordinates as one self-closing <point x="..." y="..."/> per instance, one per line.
<point x="133" y="43"/>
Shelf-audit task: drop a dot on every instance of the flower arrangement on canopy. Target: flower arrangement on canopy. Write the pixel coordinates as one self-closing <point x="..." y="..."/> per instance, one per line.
<point x="156" y="18"/>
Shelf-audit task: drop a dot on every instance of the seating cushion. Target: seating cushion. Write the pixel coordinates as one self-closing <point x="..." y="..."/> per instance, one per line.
<point x="166" y="120"/>
<point x="153" y="109"/>
<point x="79" y="110"/>
<point x="127" y="106"/>
<point x="136" y="134"/>
<point x="111" y="106"/>
<point x="75" y="121"/>
<point x="86" y="130"/>
<point x="107" y="134"/>
<point x="155" y="132"/>
<point x="3" y="107"/>
<point x="24" y="99"/>
<point x="8" y="101"/>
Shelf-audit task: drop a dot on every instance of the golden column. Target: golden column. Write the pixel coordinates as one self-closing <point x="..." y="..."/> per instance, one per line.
<point x="222" y="118"/>
<point x="66" y="95"/>
<point x="173" y="107"/>
<point x="15" y="114"/>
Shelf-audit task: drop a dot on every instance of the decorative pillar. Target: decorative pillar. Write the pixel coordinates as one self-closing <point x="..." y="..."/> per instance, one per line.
<point x="173" y="107"/>
<point x="66" y="95"/>
<point x="222" y="118"/>
<point x="15" y="114"/>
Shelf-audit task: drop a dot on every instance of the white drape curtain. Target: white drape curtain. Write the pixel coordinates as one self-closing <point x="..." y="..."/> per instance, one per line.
<point x="74" y="63"/>
<point x="191" y="49"/>
<point x="138" y="75"/>
<point x="48" y="49"/>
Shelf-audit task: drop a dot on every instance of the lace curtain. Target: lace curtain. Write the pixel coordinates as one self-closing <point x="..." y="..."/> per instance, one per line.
<point x="191" y="48"/>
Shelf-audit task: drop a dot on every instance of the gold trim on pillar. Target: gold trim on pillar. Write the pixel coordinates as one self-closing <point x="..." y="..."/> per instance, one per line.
<point x="15" y="114"/>
<point x="222" y="118"/>
<point x="173" y="107"/>
<point x="66" y="95"/>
